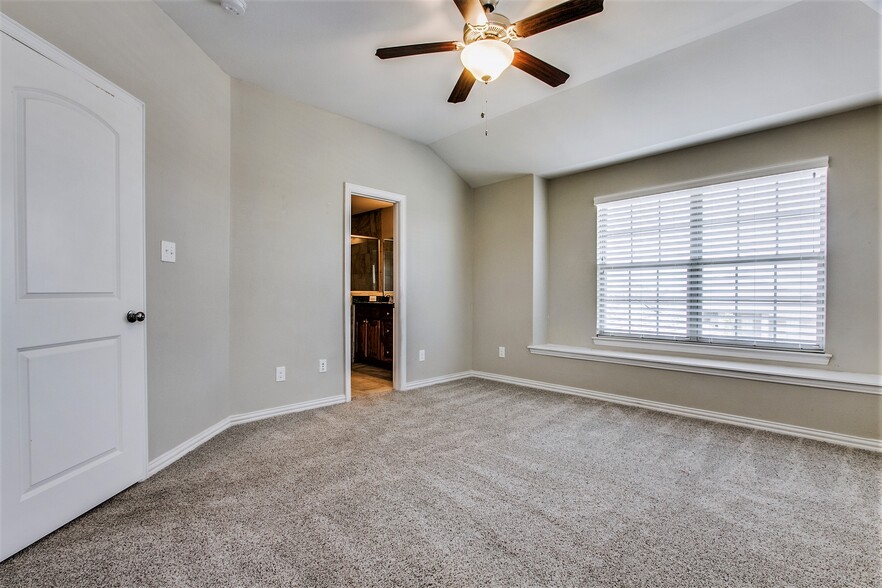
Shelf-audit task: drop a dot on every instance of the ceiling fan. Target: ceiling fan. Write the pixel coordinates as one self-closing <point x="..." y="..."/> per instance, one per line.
<point x="486" y="42"/>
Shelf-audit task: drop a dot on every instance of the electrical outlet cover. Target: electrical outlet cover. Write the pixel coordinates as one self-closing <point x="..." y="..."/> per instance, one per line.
<point x="168" y="251"/>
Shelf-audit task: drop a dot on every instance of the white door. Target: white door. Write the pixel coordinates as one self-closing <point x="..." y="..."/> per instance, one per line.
<point x="73" y="409"/>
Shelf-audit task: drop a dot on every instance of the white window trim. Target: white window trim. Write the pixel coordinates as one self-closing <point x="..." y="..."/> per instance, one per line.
<point x="733" y="352"/>
<point x="796" y="376"/>
<point x="710" y="349"/>
<point x="719" y="179"/>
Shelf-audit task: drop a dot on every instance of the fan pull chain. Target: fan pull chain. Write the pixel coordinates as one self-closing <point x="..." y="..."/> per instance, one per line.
<point x="484" y="113"/>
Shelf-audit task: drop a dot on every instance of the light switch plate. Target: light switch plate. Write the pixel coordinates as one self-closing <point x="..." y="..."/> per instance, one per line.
<point x="168" y="251"/>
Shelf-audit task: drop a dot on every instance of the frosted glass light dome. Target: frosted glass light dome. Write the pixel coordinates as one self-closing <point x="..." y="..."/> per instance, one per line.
<point x="487" y="58"/>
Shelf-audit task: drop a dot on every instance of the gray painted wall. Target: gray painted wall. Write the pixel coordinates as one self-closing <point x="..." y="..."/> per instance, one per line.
<point x="274" y="278"/>
<point x="290" y="163"/>
<point x="187" y="98"/>
<point x="286" y="238"/>
<point x="504" y="277"/>
<point x="851" y="140"/>
<point x="503" y="242"/>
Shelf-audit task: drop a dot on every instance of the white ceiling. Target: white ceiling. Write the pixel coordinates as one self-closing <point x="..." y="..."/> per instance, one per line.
<point x="646" y="75"/>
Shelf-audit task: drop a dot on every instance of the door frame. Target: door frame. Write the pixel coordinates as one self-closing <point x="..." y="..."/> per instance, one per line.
<point x="399" y="273"/>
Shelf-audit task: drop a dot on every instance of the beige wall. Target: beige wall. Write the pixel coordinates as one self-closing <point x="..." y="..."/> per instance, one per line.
<point x="851" y="140"/>
<point x="286" y="243"/>
<point x="284" y="250"/>
<point x="187" y="98"/>
<point x="290" y="163"/>
<point x="503" y="275"/>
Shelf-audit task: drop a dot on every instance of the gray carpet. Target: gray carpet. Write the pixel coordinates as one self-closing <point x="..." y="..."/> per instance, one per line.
<point x="475" y="483"/>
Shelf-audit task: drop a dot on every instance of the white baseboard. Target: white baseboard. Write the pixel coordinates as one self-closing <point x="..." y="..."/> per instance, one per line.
<point x="172" y="455"/>
<point x="708" y="415"/>
<point x="438" y="380"/>
<point x="189" y="445"/>
<point x="176" y="453"/>
<point x="257" y="415"/>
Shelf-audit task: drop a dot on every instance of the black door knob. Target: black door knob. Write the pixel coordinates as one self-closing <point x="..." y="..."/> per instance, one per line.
<point x="133" y="316"/>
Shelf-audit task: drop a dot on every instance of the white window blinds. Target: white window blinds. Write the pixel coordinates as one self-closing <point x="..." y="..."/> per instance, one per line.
<point x="738" y="263"/>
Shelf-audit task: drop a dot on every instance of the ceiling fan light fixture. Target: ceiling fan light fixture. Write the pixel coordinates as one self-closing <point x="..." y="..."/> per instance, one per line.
<point x="487" y="58"/>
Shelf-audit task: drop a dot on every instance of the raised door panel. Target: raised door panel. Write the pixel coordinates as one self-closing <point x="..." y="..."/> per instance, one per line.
<point x="68" y="219"/>
<point x="71" y="400"/>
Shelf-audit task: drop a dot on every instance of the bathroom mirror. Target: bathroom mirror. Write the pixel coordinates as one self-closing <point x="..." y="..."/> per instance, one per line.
<point x="365" y="264"/>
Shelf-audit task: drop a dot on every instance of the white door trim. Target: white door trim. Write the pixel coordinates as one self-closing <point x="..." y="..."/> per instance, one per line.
<point x="53" y="53"/>
<point x="399" y="316"/>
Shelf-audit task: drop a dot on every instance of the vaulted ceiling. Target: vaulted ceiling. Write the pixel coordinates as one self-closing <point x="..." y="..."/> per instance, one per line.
<point x="646" y="75"/>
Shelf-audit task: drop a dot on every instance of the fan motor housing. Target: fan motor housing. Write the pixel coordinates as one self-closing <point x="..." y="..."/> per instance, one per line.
<point x="498" y="27"/>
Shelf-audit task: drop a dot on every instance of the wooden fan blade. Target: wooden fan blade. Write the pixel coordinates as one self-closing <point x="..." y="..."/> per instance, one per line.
<point x="463" y="87"/>
<point x="472" y="11"/>
<point x="422" y="48"/>
<point x="539" y="69"/>
<point x="557" y="15"/>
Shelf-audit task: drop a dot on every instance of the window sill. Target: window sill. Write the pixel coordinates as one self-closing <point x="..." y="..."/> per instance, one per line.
<point x="797" y="376"/>
<point x="775" y="355"/>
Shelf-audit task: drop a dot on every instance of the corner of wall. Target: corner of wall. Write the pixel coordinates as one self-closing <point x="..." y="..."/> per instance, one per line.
<point x="540" y="262"/>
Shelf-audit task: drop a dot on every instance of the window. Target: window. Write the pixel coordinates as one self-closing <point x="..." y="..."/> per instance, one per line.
<point x="738" y="263"/>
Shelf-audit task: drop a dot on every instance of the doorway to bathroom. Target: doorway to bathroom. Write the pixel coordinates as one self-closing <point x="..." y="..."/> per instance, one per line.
<point x="374" y="293"/>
